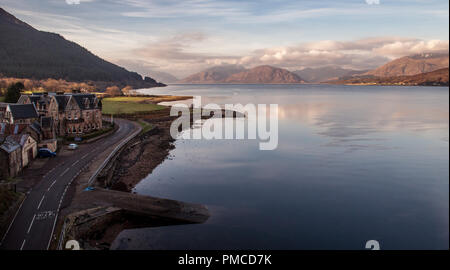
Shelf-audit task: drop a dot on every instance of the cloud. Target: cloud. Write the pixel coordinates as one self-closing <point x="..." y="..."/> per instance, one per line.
<point x="76" y="2"/>
<point x="180" y="55"/>
<point x="73" y="2"/>
<point x="173" y="48"/>
<point x="412" y="47"/>
<point x="359" y="54"/>
<point x="185" y="8"/>
<point x="373" y="2"/>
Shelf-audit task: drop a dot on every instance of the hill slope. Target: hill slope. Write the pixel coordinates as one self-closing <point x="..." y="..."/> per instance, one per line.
<point x="434" y="78"/>
<point x="28" y="53"/>
<point x="216" y="74"/>
<point x="411" y="65"/>
<point x="163" y="77"/>
<point x="238" y="74"/>
<point x="264" y="74"/>
<point x="322" y="74"/>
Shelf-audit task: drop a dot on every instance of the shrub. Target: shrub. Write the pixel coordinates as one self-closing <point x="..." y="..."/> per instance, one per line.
<point x="13" y="92"/>
<point x="113" y="91"/>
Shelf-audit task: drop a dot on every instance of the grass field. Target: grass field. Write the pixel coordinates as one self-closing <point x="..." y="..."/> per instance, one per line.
<point x="145" y="126"/>
<point x="149" y="99"/>
<point x="129" y="99"/>
<point x="128" y="105"/>
<point x="2" y="98"/>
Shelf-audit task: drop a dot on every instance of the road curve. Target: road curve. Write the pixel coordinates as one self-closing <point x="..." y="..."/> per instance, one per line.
<point x="34" y="223"/>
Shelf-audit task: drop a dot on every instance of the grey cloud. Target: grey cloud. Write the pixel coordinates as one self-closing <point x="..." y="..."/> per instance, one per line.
<point x="177" y="54"/>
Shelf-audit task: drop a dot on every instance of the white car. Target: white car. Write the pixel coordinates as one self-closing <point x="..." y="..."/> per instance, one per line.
<point x="73" y="146"/>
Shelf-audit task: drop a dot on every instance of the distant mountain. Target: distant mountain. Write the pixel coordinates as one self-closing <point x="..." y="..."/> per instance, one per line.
<point x="265" y="74"/>
<point x="411" y="65"/>
<point x="163" y="77"/>
<point x="28" y="53"/>
<point x="323" y="74"/>
<point x="434" y="78"/>
<point x="217" y="74"/>
<point x="238" y="74"/>
<point x="146" y="68"/>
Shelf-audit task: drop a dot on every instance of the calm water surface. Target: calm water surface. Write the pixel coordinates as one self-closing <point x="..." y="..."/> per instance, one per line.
<point x="353" y="164"/>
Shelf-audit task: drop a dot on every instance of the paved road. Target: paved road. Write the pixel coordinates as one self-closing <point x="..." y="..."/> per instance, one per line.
<point x="33" y="225"/>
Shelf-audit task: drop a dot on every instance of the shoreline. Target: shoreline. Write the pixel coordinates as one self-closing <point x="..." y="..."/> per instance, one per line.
<point x="141" y="155"/>
<point x="112" y="208"/>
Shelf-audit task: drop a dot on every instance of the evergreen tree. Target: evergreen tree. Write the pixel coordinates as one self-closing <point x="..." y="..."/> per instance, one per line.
<point x="13" y="92"/>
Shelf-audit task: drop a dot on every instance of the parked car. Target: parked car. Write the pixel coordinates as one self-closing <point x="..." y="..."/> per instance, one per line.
<point x="45" y="152"/>
<point x="73" y="146"/>
<point x="78" y="139"/>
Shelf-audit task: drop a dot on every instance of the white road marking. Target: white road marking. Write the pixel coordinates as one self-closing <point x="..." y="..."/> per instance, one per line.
<point x="23" y="244"/>
<point x="7" y="231"/>
<point x="31" y="225"/>
<point x="51" y="185"/>
<point x="75" y="163"/>
<point x="85" y="156"/>
<point x="45" y="215"/>
<point x="40" y="202"/>
<point x="64" y="172"/>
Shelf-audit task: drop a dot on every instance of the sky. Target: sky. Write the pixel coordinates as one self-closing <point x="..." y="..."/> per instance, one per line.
<point x="184" y="37"/>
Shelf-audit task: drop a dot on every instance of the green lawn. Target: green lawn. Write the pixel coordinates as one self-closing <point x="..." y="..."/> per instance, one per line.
<point x="128" y="99"/>
<point x="127" y="105"/>
<point x="145" y="126"/>
<point x="2" y="98"/>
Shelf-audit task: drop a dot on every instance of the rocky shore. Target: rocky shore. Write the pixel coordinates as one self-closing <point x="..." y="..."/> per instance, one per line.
<point x="96" y="217"/>
<point x="142" y="154"/>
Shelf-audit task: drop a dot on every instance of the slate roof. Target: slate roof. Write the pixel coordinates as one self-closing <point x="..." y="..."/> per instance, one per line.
<point x="62" y="101"/>
<point x="36" y="127"/>
<point x="23" y="111"/>
<point x="81" y="100"/>
<point x="10" y="145"/>
<point x="21" y="139"/>
<point x="34" y="99"/>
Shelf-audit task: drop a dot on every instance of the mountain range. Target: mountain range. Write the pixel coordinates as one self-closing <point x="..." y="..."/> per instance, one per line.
<point x="401" y="67"/>
<point x="433" y="78"/>
<point x="217" y="74"/>
<point x="240" y="75"/>
<point x="327" y="73"/>
<point x="411" y="65"/>
<point x="26" y="52"/>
